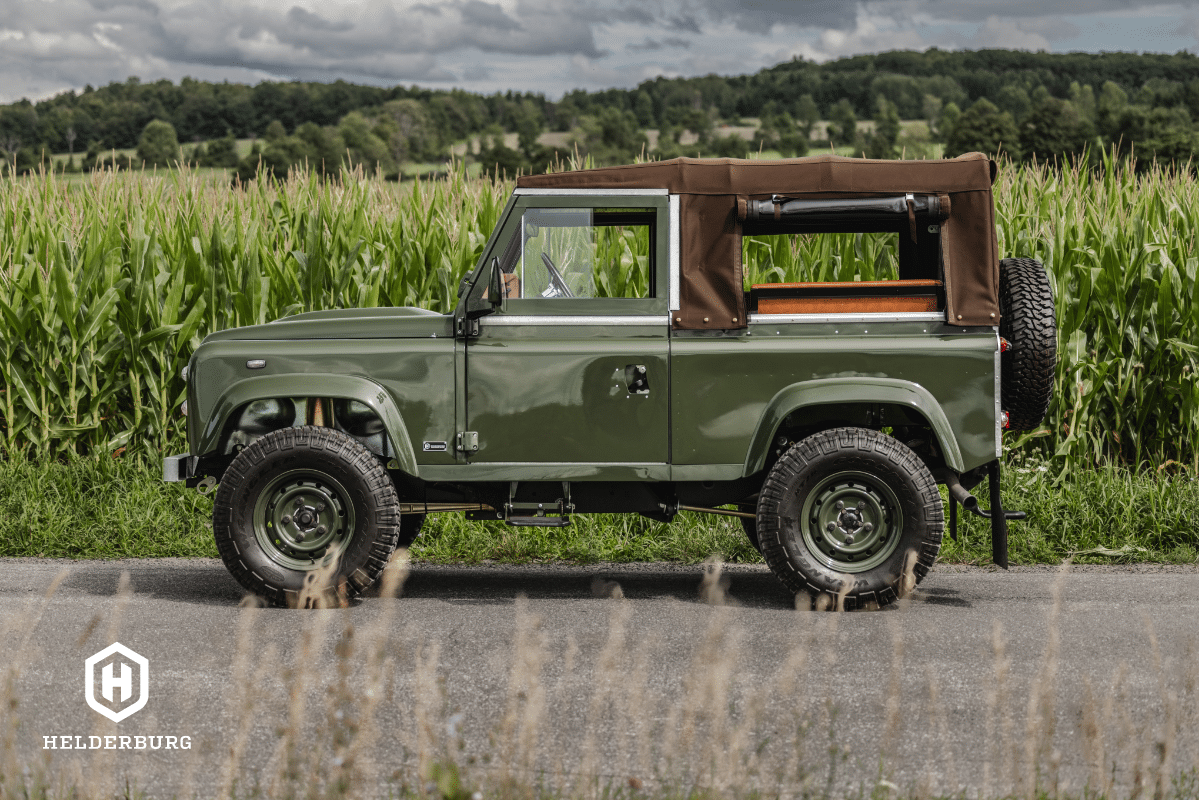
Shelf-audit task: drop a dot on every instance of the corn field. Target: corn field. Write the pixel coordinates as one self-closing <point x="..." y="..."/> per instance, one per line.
<point x="107" y="284"/>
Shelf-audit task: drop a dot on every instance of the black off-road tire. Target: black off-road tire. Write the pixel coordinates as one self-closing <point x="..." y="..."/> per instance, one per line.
<point x="289" y="455"/>
<point x="1028" y="323"/>
<point x="824" y="467"/>
<point x="410" y="528"/>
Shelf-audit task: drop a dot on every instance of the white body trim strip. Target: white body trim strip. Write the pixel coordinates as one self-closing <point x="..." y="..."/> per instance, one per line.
<point x="675" y="264"/>
<point x="998" y="398"/>
<point x="574" y="319"/>
<point x="591" y="192"/>
<point x="567" y="464"/>
<point x="903" y="316"/>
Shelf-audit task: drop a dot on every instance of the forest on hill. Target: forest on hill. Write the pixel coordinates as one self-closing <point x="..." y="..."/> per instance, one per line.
<point x="1029" y="105"/>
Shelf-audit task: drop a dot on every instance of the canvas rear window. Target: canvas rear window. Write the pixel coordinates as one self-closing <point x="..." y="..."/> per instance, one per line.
<point x="870" y="255"/>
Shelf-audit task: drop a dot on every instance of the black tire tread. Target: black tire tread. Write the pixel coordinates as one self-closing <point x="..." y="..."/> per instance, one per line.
<point x="903" y="462"/>
<point x="1027" y="370"/>
<point x="350" y="582"/>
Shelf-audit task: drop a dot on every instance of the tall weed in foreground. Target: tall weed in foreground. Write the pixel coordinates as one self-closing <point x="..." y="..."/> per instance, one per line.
<point x="371" y="702"/>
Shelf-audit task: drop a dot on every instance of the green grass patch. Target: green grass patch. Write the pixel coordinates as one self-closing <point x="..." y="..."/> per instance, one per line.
<point x="1133" y="515"/>
<point x="450" y="538"/>
<point x="120" y="508"/>
<point x="99" y="508"/>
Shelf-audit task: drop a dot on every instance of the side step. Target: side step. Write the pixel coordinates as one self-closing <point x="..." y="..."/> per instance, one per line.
<point x="538" y="522"/>
<point x="554" y="514"/>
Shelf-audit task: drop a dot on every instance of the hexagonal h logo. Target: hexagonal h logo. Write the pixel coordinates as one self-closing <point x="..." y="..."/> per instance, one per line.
<point x="116" y="665"/>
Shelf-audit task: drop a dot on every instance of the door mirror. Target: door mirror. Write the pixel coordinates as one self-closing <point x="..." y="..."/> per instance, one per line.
<point x="495" y="285"/>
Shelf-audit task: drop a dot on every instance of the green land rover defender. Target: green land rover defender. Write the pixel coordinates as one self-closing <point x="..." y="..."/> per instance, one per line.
<point x="604" y="356"/>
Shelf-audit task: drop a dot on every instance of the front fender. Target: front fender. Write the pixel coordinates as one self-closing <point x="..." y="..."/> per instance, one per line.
<point x="832" y="391"/>
<point x="340" y="387"/>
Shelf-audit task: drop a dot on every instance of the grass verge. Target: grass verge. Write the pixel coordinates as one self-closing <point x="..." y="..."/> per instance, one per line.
<point x="120" y="508"/>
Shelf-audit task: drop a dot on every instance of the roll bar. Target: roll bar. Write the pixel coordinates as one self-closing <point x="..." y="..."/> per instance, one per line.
<point x="787" y="210"/>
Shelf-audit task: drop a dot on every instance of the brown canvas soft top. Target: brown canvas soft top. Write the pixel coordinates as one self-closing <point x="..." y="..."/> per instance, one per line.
<point x="711" y="293"/>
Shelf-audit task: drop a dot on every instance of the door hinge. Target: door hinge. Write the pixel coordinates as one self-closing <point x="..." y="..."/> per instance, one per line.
<point x="468" y="441"/>
<point x="467" y="327"/>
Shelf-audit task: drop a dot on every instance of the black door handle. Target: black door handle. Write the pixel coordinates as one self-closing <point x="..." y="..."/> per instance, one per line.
<point x="636" y="379"/>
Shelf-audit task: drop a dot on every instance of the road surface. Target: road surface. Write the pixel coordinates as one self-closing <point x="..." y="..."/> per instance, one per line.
<point x="636" y="675"/>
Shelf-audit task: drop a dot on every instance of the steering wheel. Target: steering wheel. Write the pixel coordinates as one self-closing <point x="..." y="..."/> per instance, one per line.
<point x="556" y="281"/>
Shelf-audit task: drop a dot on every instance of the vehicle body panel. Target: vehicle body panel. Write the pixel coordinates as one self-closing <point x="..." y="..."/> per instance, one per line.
<point x="416" y="377"/>
<point x="731" y="390"/>
<point x="558" y="393"/>
<point x="543" y="382"/>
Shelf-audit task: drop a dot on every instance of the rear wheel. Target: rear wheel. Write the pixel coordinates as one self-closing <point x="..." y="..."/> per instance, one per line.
<point x="306" y="506"/>
<point x="850" y="510"/>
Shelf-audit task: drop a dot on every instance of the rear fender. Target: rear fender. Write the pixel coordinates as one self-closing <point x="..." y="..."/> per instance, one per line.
<point x="837" y="391"/>
<point x="338" y="387"/>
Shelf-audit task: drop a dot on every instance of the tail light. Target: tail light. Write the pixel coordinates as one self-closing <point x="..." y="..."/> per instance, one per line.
<point x="1003" y="420"/>
<point x="1004" y="345"/>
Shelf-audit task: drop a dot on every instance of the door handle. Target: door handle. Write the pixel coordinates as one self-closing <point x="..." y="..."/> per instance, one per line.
<point x="636" y="379"/>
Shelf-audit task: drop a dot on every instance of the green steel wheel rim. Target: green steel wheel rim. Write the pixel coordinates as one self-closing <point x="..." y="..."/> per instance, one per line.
<point x="851" y="522"/>
<point x="303" y="518"/>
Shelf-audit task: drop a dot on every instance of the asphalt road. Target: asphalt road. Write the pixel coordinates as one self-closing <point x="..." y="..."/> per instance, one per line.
<point x="623" y="671"/>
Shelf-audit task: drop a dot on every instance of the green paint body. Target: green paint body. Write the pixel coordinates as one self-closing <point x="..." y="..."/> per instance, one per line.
<point x="551" y="402"/>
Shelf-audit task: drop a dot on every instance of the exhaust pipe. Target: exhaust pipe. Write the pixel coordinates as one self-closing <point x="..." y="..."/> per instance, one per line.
<point x="959" y="493"/>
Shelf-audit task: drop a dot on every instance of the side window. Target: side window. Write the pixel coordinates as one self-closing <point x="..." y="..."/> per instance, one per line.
<point x="837" y="255"/>
<point x="581" y="253"/>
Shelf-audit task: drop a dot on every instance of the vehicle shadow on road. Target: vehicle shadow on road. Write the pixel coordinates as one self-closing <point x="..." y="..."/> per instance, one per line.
<point x="206" y="582"/>
<point x="499" y="585"/>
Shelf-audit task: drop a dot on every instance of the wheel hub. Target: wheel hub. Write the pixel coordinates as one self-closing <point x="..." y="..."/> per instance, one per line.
<point x="851" y="522"/>
<point x="302" y="518"/>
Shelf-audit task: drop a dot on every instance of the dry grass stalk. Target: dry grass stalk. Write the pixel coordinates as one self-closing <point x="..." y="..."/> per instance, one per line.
<point x="893" y="703"/>
<point x="526" y="704"/>
<point x="291" y="764"/>
<point x="243" y="696"/>
<point x="714" y="586"/>
<point x="937" y="710"/>
<point x="605" y="691"/>
<point x="717" y="734"/>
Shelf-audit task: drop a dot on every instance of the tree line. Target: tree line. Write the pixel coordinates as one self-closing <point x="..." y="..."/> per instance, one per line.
<point x="1030" y="105"/>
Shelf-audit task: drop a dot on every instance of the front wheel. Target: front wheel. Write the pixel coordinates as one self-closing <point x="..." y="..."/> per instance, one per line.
<point x="850" y="511"/>
<point x="306" y="506"/>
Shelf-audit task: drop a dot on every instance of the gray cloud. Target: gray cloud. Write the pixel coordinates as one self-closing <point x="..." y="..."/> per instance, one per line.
<point x="495" y="44"/>
<point x="653" y="45"/>
<point x="683" y="23"/>
<point x="309" y="20"/>
<point x="67" y="41"/>
<point x="978" y="10"/>
<point x="762" y="15"/>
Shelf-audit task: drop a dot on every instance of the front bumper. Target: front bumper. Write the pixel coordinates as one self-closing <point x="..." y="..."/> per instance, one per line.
<point x="178" y="468"/>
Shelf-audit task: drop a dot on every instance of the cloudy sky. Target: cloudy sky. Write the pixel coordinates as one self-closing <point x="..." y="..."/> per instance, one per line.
<point x="549" y="46"/>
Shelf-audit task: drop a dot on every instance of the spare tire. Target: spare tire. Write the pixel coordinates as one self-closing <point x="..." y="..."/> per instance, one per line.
<point x="1028" y="324"/>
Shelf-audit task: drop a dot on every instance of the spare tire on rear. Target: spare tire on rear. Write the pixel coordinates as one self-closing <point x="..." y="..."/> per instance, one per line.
<point x="1027" y="322"/>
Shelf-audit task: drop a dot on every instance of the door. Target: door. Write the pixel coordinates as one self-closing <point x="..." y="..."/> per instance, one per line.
<point x="573" y="367"/>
